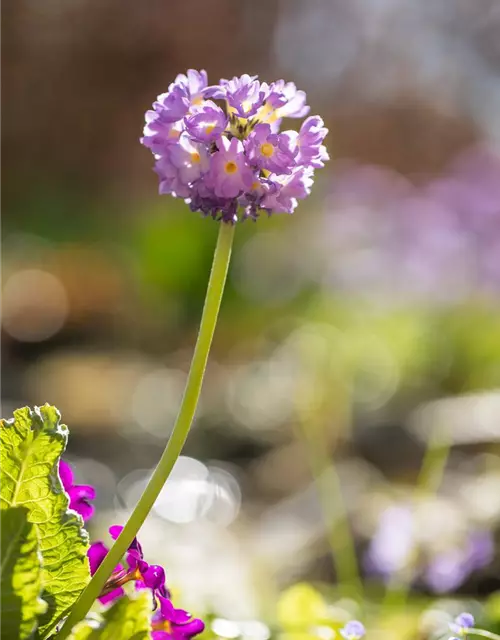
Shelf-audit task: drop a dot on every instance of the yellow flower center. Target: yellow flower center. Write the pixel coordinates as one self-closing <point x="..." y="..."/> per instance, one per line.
<point x="209" y="129"/>
<point x="267" y="149"/>
<point x="195" y="157"/>
<point x="255" y="185"/>
<point x="162" y="625"/>
<point x="198" y="100"/>
<point x="231" y="167"/>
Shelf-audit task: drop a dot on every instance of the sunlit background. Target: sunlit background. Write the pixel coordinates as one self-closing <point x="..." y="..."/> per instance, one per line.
<point x="352" y="334"/>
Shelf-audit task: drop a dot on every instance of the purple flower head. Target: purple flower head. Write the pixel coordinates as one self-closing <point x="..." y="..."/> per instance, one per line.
<point x="229" y="173"/>
<point x="207" y="122"/>
<point x="170" y="623"/>
<point x="79" y="494"/>
<point x="267" y="150"/>
<point x="143" y="574"/>
<point x="230" y="161"/>
<point x="462" y="624"/>
<point x="353" y="630"/>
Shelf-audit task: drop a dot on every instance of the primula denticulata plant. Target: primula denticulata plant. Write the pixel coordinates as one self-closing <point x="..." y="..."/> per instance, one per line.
<point x="221" y="150"/>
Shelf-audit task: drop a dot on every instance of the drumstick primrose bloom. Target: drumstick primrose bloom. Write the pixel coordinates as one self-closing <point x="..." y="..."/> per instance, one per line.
<point x="221" y="150"/>
<point x="220" y="147"/>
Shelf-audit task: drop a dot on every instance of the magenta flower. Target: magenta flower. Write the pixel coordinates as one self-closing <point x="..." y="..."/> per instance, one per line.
<point x="144" y="575"/>
<point x="227" y="157"/>
<point x="170" y="623"/>
<point x="79" y="494"/>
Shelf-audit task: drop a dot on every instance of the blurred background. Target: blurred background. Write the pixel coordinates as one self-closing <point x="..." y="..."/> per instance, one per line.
<point x="354" y="336"/>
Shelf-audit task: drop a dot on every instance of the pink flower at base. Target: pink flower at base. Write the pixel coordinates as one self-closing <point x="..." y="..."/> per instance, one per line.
<point x="145" y="576"/>
<point x="79" y="494"/>
<point x="170" y="623"/>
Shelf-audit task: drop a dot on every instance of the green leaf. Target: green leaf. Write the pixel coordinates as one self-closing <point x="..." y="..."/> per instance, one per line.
<point x="128" y="619"/>
<point x="21" y="575"/>
<point x="31" y="445"/>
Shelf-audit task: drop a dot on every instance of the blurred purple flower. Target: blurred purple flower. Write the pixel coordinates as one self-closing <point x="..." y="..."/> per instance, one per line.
<point x="79" y="494"/>
<point x="353" y="630"/>
<point x="450" y="569"/>
<point x="437" y="241"/>
<point x="394" y="548"/>
<point x="390" y="548"/>
<point x="462" y="624"/>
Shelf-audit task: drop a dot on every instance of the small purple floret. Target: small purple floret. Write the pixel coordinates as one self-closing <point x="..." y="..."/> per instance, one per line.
<point x="207" y="123"/>
<point x="353" y="630"/>
<point x="462" y="623"/>
<point x="229" y="174"/>
<point x="268" y="150"/>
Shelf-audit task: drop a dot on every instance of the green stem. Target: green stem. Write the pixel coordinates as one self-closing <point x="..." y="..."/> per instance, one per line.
<point x="428" y="483"/>
<point x="483" y="633"/>
<point x="179" y="433"/>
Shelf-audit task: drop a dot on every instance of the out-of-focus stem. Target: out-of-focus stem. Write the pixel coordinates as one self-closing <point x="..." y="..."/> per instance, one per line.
<point x="329" y="488"/>
<point x="428" y="483"/>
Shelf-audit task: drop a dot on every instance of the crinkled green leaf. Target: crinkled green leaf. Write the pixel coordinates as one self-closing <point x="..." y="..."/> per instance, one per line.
<point x="31" y="445"/>
<point x="21" y="575"/>
<point x="128" y="619"/>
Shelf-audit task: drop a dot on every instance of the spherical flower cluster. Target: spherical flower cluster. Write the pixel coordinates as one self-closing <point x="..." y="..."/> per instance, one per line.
<point x="220" y="147"/>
